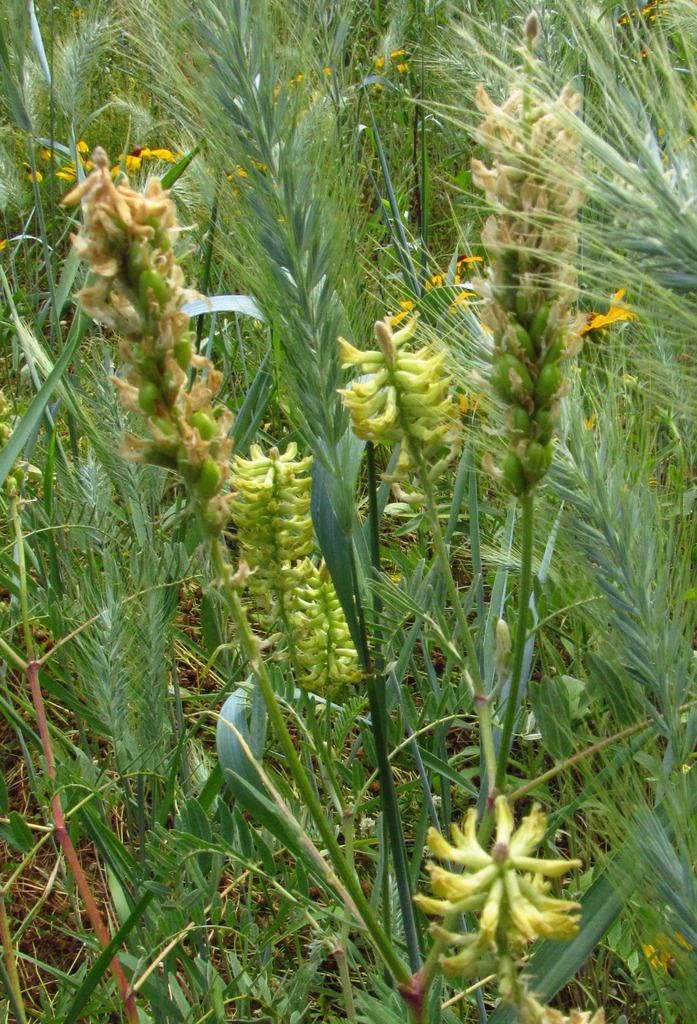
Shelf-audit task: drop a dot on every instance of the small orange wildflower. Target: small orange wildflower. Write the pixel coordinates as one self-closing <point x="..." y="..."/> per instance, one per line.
<point x="406" y="306"/>
<point x="617" y="312"/>
<point x="461" y="299"/>
<point x="435" y="282"/>
<point x="471" y="402"/>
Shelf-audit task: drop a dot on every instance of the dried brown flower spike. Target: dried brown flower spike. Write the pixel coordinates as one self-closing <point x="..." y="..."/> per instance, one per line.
<point x="531" y="239"/>
<point x="136" y="287"/>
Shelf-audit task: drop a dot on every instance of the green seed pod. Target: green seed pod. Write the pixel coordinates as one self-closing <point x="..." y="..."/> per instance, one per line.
<point x="183" y="351"/>
<point x="537" y="461"/>
<point x="554" y="351"/>
<point x="165" y="426"/>
<point x="134" y="262"/>
<point x="18" y="475"/>
<point x="545" y="424"/>
<point x="548" y="384"/>
<point x="150" y="281"/>
<point x="204" y="424"/>
<point x="539" y="323"/>
<point x="522" y="308"/>
<point x="510" y="378"/>
<point x="210" y="479"/>
<point x="519" y="422"/>
<point x="524" y="341"/>
<point x="512" y="470"/>
<point x="148" y="397"/>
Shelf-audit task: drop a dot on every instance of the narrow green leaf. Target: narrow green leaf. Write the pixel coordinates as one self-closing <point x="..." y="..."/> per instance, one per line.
<point x="32" y="417"/>
<point x="253" y="408"/>
<point x="174" y="173"/>
<point x="101" y="964"/>
<point x="336" y="547"/>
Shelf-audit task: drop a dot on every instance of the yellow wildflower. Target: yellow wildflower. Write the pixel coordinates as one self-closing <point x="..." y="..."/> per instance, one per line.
<point x="159" y="154"/>
<point x="82" y="147"/>
<point x="132" y="163"/>
<point x="471" y="402"/>
<point x="436" y="281"/>
<point x="661" y="956"/>
<point x="3" y="243"/>
<point x="67" y="173"/>
<point x="406" y="306"/>
<point x="403" y="67"/>
<point x="394" y="54"/>
<point x="467" y="261"/>
<point x="461" y="299"/>
<point x="506" y="887"/>
<point x="379" y="63"/>
<point x="35" y="176"/>
<point x="616" y="313"/>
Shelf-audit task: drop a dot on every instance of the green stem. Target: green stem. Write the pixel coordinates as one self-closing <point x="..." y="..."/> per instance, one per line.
<point x="481" y="699"/>
<point x="11" y="964"/>
<point x="22" y="574"/>
<point x="422" y="981"/>
<point x="528" y="516"/>
<point x="250" y="648"/>
<point x="376" y="699"/>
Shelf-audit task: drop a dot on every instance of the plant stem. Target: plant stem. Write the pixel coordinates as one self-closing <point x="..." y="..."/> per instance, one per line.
<point x="22" y="573"/>
<point x="375" y="681"/>
<point x="481" y="699"/>
<point x="423" y="979"/>
<point x="60" y="828"/>
<point x="11" y="963"/>
<point x="250" y="648"/>
<point x="528" y="517"/>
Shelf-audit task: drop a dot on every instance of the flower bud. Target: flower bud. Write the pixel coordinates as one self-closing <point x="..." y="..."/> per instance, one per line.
<point x="403" y="397"/>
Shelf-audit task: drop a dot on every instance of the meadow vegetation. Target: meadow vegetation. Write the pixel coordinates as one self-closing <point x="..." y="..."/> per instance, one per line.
<point x="347" y="484"/>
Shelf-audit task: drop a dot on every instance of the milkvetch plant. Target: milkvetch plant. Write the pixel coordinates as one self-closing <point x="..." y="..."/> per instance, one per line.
<point x="403" y="396"/>
<point x="574" y="689"/>
<point x="136" y="287"/>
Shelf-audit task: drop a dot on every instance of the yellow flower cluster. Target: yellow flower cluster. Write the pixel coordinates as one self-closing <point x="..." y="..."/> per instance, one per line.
<point x="270" y="508"/>
<point x="403" y="397"/>
<point x="505" y="886"/>
<point x="132" y="161"/>
<point x="398" y="58"/>
<point x="649" y="12"/>
<point x="323" y="644"/>
<point x="136" y="287"/>
<point x="271" y="511"/>
<point x="507" y="890"/>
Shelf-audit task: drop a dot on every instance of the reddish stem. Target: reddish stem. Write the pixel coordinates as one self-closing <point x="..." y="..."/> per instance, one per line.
<point x="69" y="851"/>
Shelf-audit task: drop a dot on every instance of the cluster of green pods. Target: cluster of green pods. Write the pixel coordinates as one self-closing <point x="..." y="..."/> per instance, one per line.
<point x="527" y="375"/>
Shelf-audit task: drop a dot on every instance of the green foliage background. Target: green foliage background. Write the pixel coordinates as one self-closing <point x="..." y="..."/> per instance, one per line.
<point x="329" y="181"/>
